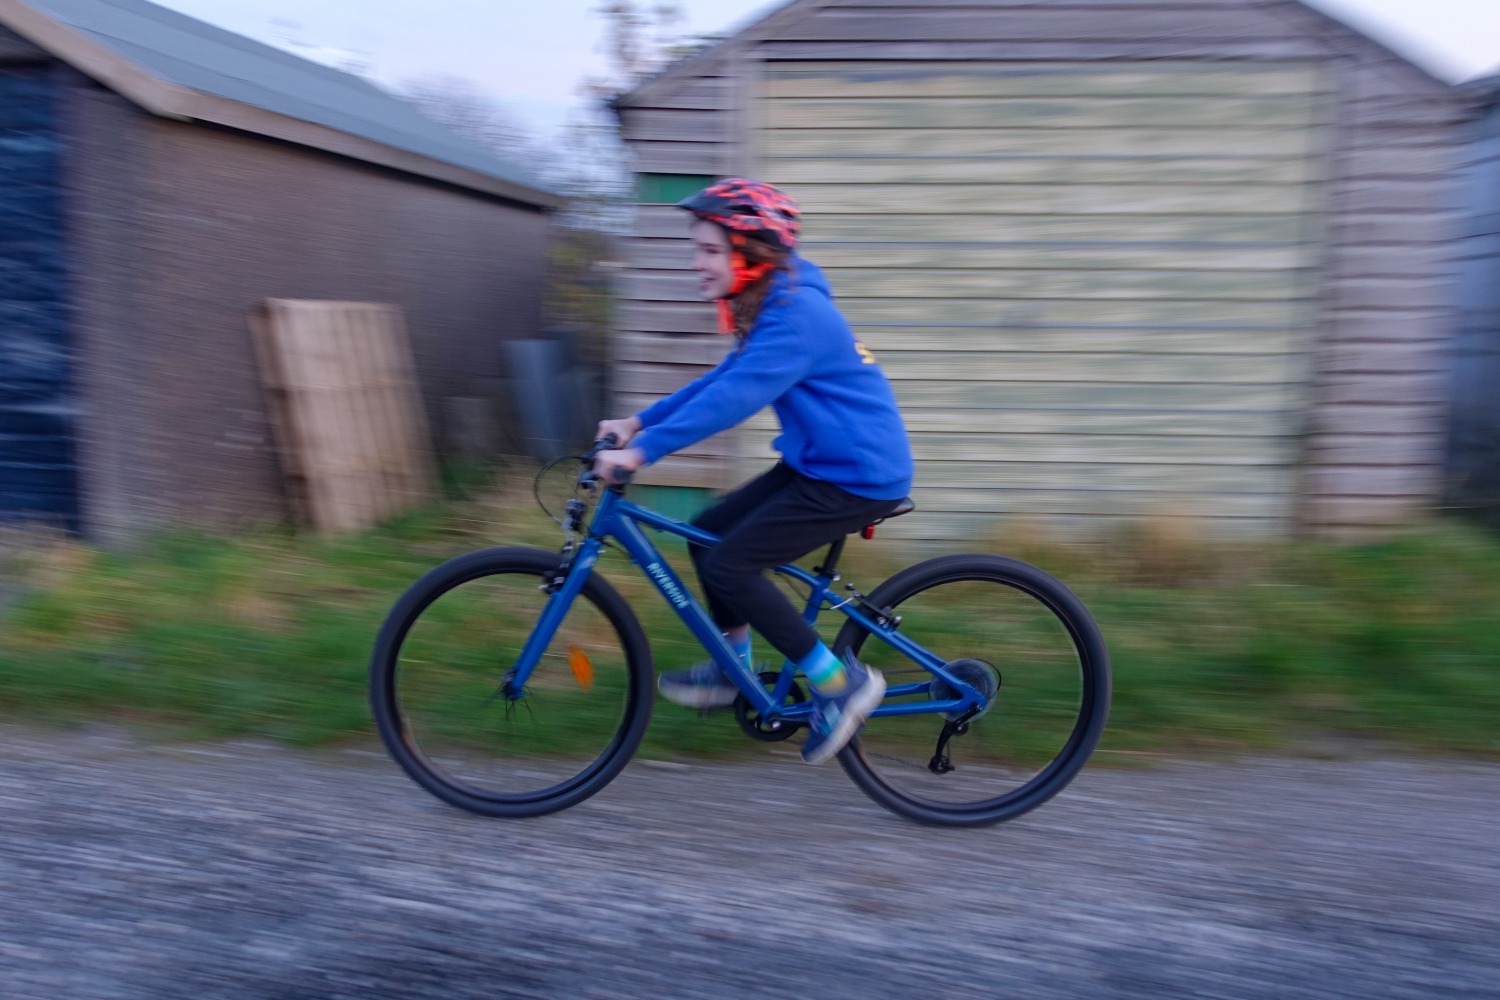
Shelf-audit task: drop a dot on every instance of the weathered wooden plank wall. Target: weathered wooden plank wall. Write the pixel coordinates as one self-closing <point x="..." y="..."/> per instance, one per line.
<point x="1261" y="190"/>
<point x="689" y="129"/>
<point x="994" y="341"/>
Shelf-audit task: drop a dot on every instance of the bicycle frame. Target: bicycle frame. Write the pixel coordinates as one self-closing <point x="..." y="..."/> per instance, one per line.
<point x="619" y="519"/>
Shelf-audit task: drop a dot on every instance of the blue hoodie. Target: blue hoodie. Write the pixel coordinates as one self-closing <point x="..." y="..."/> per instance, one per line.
<point x="839" y="420"/>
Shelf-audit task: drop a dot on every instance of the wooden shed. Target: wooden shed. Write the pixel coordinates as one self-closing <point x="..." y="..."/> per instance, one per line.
<point x="1475" y="456"/>
<point x="1120" y="258"/>
<point x="159" y="178"/>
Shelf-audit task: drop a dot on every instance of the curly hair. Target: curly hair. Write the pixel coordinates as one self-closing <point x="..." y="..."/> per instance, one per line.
<point x="746" y="306"/>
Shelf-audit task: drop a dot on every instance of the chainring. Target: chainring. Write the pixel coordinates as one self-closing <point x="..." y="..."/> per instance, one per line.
<point x="759" y="729"/>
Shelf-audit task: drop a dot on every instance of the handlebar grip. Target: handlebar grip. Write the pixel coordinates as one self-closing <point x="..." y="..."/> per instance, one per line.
<point x="607" y="443"/>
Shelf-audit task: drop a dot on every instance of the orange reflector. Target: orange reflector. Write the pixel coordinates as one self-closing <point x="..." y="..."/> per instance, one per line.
<point x="583" y="670"/>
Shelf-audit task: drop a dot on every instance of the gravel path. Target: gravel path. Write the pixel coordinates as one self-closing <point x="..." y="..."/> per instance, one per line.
<point x="248" y="871"/>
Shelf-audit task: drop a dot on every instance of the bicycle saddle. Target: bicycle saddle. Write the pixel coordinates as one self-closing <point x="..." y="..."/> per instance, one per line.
<point x="906" y="506"/>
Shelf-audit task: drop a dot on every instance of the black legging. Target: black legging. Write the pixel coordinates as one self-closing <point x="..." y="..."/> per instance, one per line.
<point x="775" y="518"/>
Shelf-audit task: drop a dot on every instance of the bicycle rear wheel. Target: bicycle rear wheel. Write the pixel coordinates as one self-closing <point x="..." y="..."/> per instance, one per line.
<point x="440" y="666"/>
<point x="1011" y="630"/>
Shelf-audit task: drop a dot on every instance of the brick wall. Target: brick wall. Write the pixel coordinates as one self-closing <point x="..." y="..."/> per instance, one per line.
<point x="186" y="228"/>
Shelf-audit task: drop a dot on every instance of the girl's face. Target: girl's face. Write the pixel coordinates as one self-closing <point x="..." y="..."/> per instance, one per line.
<point x="711" y="259"/>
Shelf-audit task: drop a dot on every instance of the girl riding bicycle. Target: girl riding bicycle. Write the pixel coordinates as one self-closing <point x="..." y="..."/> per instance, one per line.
<point x="845" y="459"/>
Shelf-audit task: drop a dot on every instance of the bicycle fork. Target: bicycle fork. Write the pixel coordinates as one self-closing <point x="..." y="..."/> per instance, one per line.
<point x="564" y="588"/>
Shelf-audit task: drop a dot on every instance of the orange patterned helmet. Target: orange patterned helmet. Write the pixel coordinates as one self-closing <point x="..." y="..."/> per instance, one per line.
<point x="751" y="207"/>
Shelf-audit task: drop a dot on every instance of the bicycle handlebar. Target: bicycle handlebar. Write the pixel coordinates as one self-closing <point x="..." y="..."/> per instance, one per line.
<point x="607" y="443"/>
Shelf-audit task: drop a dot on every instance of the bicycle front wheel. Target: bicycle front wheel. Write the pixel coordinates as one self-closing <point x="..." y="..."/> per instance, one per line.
<point x="1023" y="639"/>
<point x="439" y="672"/>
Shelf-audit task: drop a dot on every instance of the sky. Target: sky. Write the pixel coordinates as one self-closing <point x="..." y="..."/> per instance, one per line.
<point x="532" y="55"/>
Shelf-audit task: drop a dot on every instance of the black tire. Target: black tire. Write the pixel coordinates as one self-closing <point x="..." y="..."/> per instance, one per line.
<point x="442" y="656"/>
<point x="1043" y="648"/>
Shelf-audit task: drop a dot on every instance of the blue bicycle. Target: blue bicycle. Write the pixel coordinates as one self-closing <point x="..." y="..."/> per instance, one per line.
<point x="516" y="682"/>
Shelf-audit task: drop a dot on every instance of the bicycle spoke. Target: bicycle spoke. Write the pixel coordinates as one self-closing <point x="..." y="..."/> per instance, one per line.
<point x="578" y="718"/>
<point x="1000" y="632"/>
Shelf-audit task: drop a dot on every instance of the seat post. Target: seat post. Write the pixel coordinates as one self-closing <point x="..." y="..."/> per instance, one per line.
<point x="831" y="560"/>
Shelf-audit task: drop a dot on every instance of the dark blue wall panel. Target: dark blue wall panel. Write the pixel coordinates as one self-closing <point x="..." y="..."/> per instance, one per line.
<point x="1474" y="459"/>
<point x="38" y="478"/>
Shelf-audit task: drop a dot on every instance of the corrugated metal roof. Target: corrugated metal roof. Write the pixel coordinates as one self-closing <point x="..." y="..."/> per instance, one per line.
<point x="210" y="60"/>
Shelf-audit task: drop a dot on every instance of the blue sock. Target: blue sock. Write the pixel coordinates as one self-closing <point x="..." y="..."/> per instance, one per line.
<point x="824" y="671"/>
<point x="742" y="649"/>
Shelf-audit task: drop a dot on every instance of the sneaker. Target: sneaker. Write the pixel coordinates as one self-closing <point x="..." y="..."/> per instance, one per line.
<point x="703" y="685"/>
<point x="836" y="718"/>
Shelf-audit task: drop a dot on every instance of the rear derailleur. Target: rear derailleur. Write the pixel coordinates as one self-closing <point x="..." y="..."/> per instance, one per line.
<point x="940" y="763"/>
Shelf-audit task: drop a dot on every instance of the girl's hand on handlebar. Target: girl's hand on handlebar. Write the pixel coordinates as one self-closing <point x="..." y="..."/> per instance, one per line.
<point x="623" y="429"/>
<point x="606" y="463"/>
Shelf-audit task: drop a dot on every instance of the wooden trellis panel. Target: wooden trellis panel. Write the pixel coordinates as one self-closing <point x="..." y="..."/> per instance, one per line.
<point x="348" y="418"/>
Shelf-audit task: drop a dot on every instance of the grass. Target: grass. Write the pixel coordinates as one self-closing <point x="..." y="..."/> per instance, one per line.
<point x="1216" y="647"/>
